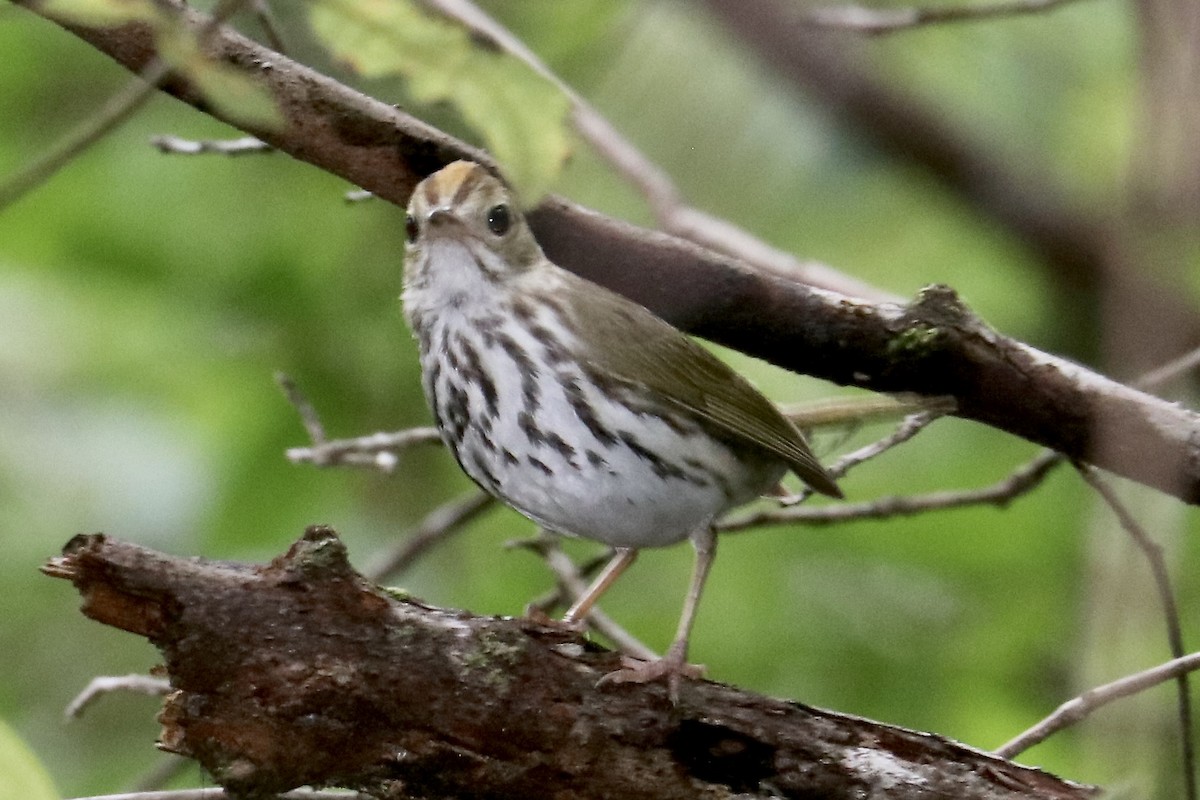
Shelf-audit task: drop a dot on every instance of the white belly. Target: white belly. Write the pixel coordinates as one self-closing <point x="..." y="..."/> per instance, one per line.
<point x="556" y="448"/>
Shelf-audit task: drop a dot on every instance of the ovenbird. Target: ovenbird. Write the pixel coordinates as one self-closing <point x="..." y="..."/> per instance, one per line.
<point x="575" y="406"/>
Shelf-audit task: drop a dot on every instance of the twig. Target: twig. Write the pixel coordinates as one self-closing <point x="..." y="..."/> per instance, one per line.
<point x="571" y="580"/>
<point x="1156" y="377"/>
<point x="880" y="21"/>
<point x="856" y="410"/>
<point x="107" y="684"/>
<point x="1080" y="707"/>
<point x="227" y="147"/>
<point x="438" y="525"/>
<point x="1166" y="595"/>
<point x="909" y="427"/>
<point x="378" y="450"/>
<point x="119" y="108"/>
<point x="262" y="12"/>
<point x="304" y="407"/>
<point x="175" y="145"/>
<point x="1001" y="493"/>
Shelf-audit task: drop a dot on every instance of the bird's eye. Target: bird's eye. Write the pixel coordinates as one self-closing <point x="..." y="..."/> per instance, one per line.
<point x="499" y="220"/>
<point x="411" y="229"/>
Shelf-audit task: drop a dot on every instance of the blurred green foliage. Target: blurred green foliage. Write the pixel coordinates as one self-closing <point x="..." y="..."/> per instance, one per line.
<point x="520" y="115"/>
<point x="147" y="301"/>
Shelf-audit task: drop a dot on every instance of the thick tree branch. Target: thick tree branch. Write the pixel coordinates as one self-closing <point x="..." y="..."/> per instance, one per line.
<point x="301" y="672"/>
<point x="933" y="347"/>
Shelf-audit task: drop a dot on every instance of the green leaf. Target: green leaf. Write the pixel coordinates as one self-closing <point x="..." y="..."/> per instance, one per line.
<point x="24" y="776"/>
<point x="521" y="116"/>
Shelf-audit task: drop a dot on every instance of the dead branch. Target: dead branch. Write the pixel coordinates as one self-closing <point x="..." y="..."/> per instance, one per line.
<point x="302" y="672"/>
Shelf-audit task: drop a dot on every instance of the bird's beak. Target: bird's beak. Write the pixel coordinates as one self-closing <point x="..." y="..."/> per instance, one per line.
<point x="441" y="216"/>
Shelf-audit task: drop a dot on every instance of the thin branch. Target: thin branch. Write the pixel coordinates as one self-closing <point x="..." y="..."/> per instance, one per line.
<point x="572" y="582"/>
<point x="1166" y="595"/>
<point x="1001" y="493"/>
<point x="261" y="10"/>
<point x="123" y="105"/>
<point x="1156" y="377"/>
<point x="1081" y="707"/>
<point x="860" y="410"/>
<point x="243" y="145"/>
<point x="108" y="684"/>
<point x="304" y="407"/>
<point x="438" y="526"/>
<point x="377" y="451"/>
<point x="880" y="21"/>
<point x="909" y="427"/>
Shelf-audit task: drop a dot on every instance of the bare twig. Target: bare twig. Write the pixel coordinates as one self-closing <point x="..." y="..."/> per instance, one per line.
<point x="175" y="145"/>
<point x="858" y="410"/>
<point x="107" y="684"/>
<point x="1001" y="493"/>
<point x="909" y="427"/>
<point x="1080" y="707"/>
<point x="226" y="147"/>
<point x="571" y="580"/>
<point x="378" y="450"/>
<point x="879" y="21"/>
<point x="119" y="108"/>
<point x="438" y="525"/>
<point x="266" y="20"/>
<point x="1156" y="377"/>
<point x="304" y="407"/>
<point x="1166" y="595"/>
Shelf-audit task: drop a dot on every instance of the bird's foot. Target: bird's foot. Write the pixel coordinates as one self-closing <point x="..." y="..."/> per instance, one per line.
<point x="673" y="666"/>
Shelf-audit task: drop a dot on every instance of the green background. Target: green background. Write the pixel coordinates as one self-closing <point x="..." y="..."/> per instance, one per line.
<point x="147" y="300"/>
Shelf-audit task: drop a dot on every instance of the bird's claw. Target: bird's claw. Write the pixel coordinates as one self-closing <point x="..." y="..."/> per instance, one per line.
<point x="673" y="666"/>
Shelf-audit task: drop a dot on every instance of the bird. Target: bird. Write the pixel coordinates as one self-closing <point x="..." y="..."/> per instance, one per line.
<point x="577" y="407"/>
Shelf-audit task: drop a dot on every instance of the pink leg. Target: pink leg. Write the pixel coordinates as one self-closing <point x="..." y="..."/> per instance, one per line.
<point x="674" y="664"/>
<point x="612" y="570"/>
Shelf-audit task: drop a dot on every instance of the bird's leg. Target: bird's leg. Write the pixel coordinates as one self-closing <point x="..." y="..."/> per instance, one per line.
<point x="674" y="664"/>
<point x="612" y="570"/>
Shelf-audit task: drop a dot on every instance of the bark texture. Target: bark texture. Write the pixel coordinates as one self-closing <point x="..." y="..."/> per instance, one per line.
<point x="302" y="672"/>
